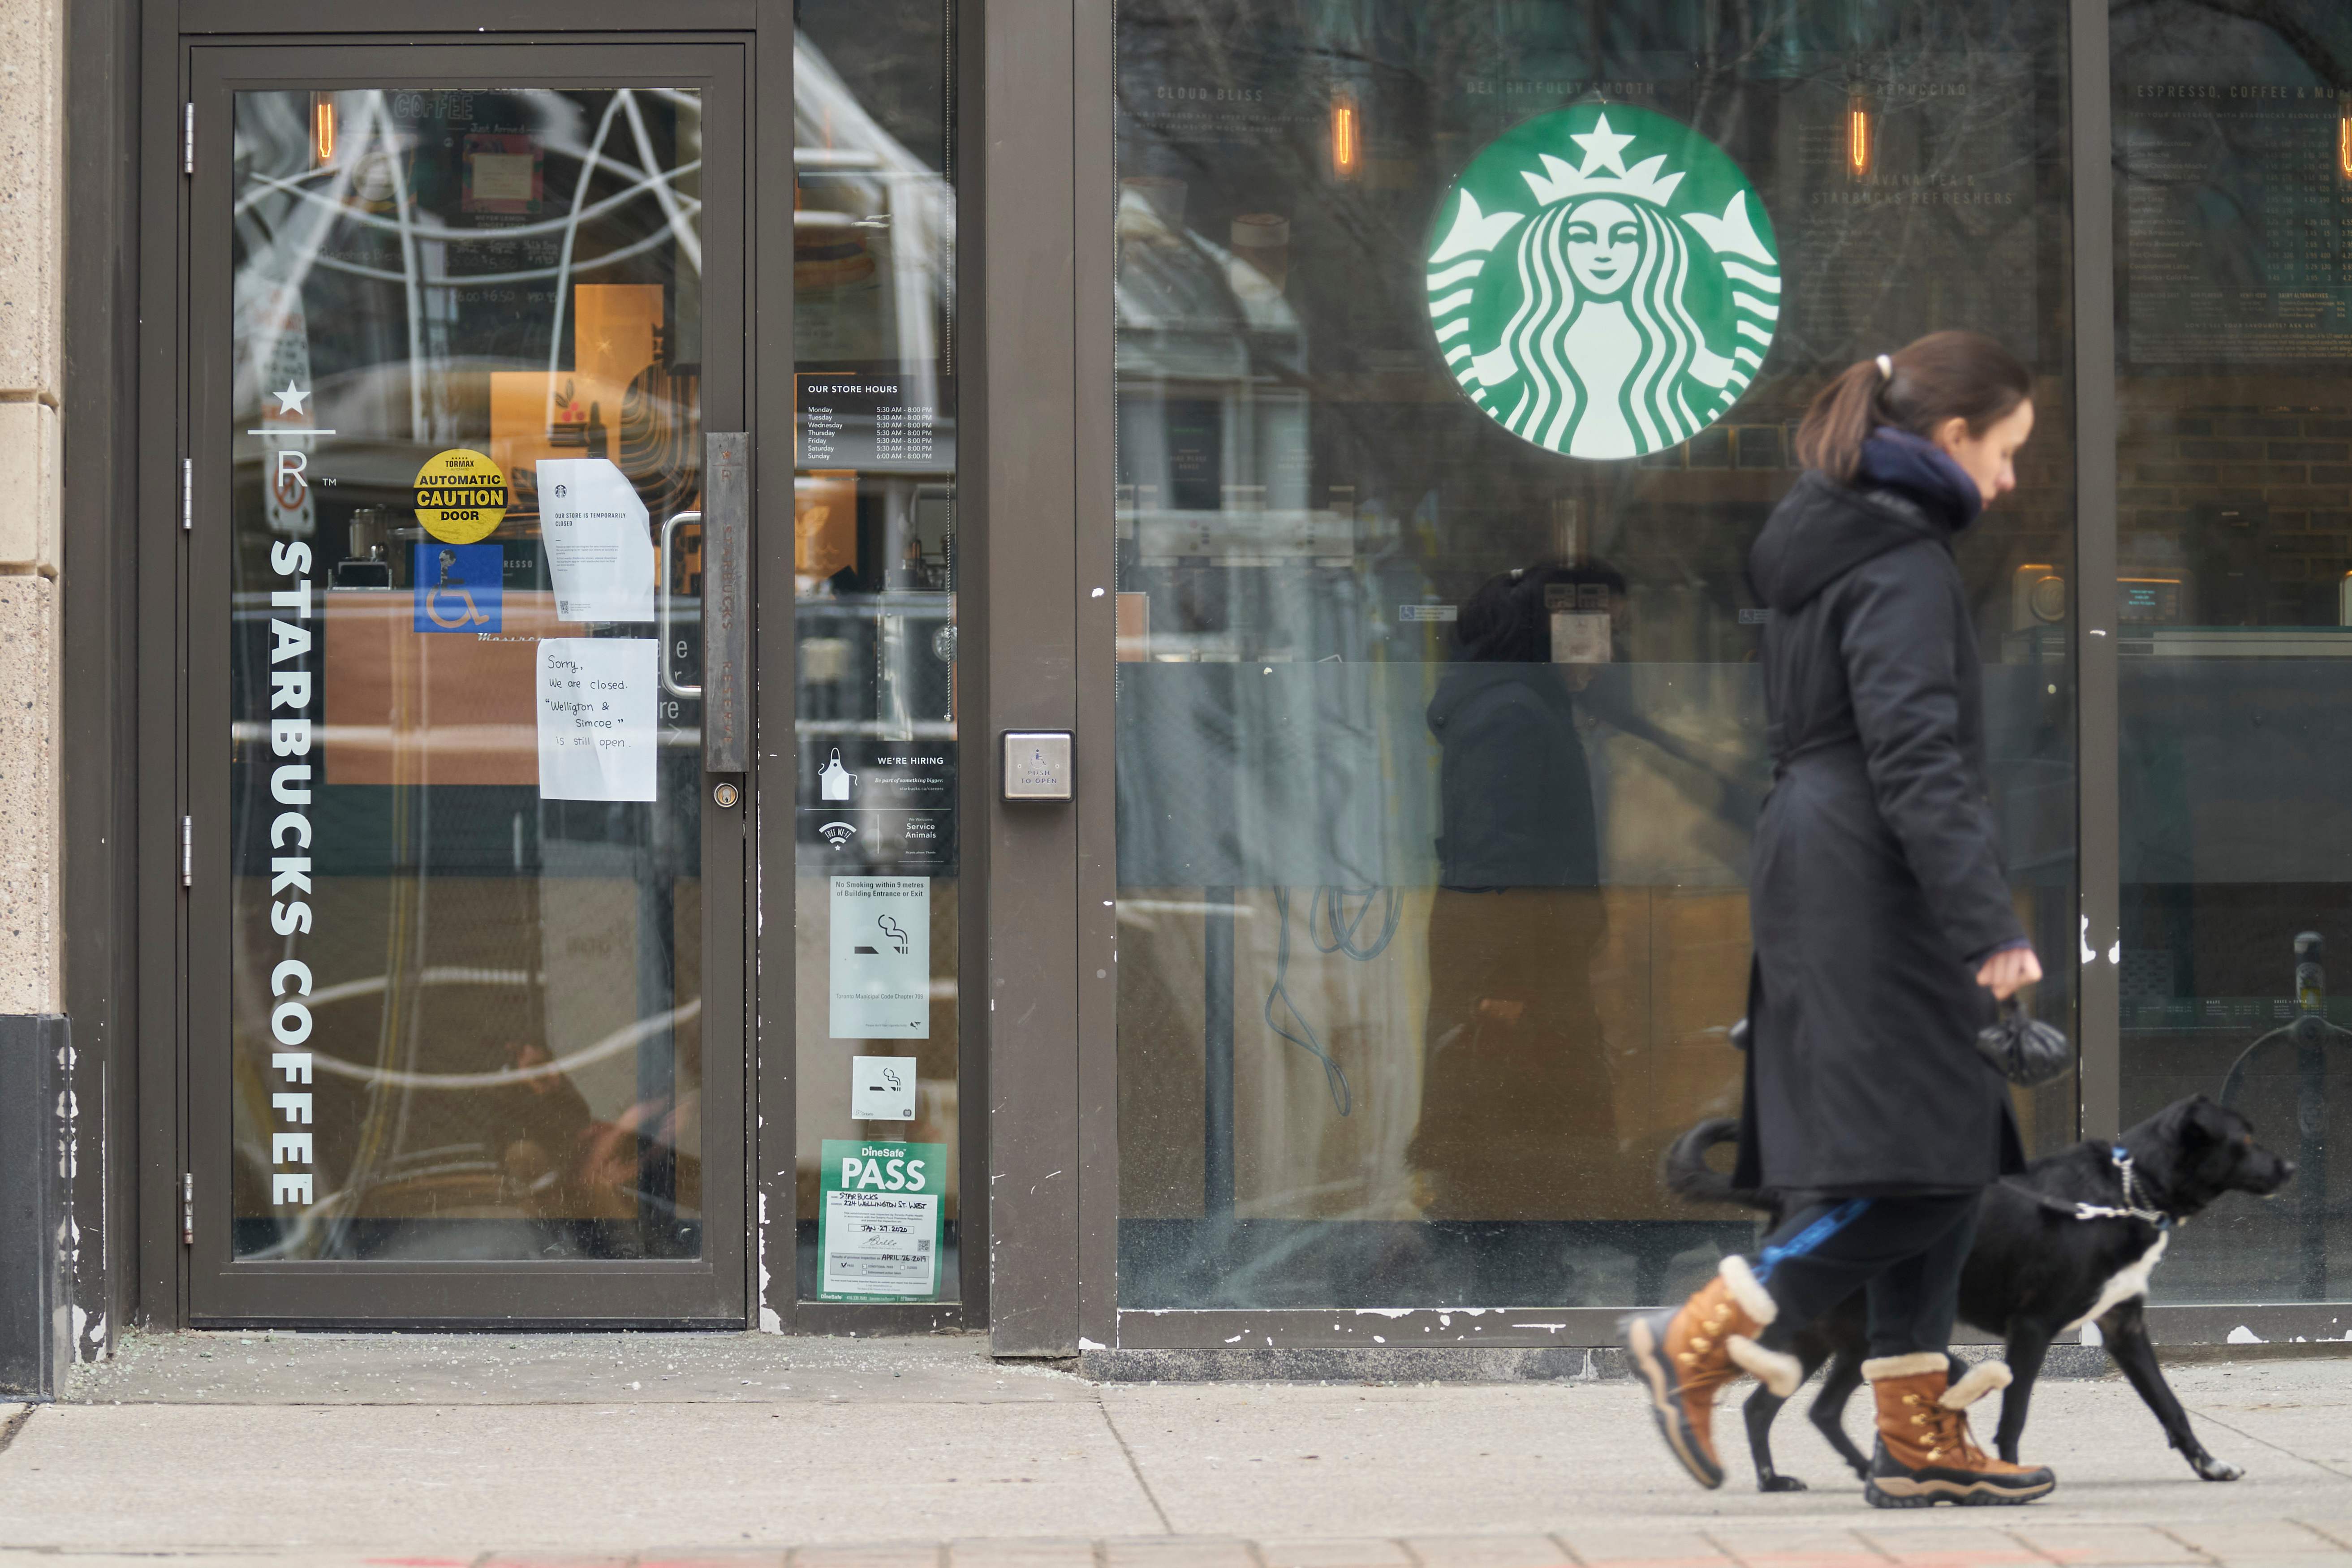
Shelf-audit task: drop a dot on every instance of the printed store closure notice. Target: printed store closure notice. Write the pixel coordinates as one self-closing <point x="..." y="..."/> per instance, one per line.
<point x="599" y="551"/>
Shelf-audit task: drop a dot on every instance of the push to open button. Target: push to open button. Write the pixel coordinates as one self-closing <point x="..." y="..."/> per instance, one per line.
<point x="1037" y="764"/>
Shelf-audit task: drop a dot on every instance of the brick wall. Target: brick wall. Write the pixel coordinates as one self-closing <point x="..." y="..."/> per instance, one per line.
<point x="2250" y="504"/>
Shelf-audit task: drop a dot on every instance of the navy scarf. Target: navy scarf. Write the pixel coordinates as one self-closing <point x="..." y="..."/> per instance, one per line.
<point x="1917" y="469"/>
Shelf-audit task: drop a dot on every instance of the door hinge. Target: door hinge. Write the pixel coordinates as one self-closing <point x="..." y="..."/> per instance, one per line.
<point x="188" y="141"/>
<point x="188" y="1208"/>
<point x="187" y="495"/>
<point x="187" y="852"/>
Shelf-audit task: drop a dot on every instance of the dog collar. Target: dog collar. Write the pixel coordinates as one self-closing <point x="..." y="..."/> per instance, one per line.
<point x="2135" y="1204"/>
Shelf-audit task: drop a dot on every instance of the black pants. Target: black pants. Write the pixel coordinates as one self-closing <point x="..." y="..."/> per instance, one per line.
<point x="1905" y="1252"/>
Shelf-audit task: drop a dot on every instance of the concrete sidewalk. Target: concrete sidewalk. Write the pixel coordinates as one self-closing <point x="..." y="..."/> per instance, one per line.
<point x="538" y="1449"/>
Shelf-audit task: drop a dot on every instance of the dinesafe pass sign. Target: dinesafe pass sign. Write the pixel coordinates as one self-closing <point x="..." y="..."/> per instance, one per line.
<point x="1603" y="281"/>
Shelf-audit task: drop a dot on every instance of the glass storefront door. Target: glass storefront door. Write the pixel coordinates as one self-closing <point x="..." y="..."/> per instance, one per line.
<point x="466" y="953"/>
<point x="1460" y="348"/>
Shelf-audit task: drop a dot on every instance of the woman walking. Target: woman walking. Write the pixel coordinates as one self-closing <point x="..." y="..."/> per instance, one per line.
<point x="1883" y="928"/>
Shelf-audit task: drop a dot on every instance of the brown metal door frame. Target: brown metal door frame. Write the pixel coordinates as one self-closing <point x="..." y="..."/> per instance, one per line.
<point x="713" y="1288"/>
<point x="1041" y="474"/>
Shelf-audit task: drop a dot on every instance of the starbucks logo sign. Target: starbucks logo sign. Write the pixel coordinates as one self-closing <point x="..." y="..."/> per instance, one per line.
<point x="1603" y="281"/>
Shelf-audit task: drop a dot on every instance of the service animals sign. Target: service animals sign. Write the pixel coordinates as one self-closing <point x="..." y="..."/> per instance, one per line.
<point x="1603" y="281"/>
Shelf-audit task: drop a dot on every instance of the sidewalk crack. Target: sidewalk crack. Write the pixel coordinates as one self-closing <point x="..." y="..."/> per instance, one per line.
<point x="14" y="1425"/>
<point x="2345" y="1539"/>
<point x="1868" y="1546"/>
<point x="2015" y="1534"/>
<point x="2170" y="1534"/>
<point x="1861" y="1533"/>
<point x="1133" y="1468"/>
<point x="2320" y="1465"/>
<point x="1729" y="1554"/>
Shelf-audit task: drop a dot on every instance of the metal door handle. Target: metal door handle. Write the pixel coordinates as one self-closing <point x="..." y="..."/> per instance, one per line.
<point x="661" y="608"/>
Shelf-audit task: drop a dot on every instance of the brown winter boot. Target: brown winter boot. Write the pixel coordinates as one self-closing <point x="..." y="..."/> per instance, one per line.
<point x="1684" y="1353"/>
<point x="1924" y="1452"/>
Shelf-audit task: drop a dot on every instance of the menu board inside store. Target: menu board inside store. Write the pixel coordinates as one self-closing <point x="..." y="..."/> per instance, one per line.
<point x="887" y="422"/>
<point x="2234" y="225"/>
<point x="1937" y="227"/>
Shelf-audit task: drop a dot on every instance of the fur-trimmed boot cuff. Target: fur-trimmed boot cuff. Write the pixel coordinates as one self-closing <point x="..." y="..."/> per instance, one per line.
<point x="1918" y="1364"/>
<point x="1985" y="1377"/>
<point x="1748" y="1291"/>
<point x="1776" y="1370"/>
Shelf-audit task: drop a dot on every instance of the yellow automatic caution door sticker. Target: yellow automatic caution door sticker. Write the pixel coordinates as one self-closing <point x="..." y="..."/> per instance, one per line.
<point x="460" y="496"/>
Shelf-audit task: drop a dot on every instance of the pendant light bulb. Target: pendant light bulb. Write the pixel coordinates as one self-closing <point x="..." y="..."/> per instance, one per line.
<point x="1858" y="136"/>
<point x="1346" y="137"/>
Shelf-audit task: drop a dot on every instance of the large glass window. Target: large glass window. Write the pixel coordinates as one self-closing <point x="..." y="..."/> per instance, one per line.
<point x="874" y="400"/>
<point x="2234" y="226"/>
<point x="1460" y="347"/>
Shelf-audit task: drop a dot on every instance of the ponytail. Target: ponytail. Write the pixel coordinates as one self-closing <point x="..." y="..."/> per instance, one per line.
<point x="1841" y="419"/>
<point x="1943" y="375"/>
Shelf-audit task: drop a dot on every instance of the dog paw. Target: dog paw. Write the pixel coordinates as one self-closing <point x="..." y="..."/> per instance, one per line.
<point x="2212" y="1469"/>
<point x="1779" y="1484"/>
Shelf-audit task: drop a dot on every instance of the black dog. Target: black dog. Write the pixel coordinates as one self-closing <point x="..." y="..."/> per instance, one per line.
<point x="2071" y="1241"/>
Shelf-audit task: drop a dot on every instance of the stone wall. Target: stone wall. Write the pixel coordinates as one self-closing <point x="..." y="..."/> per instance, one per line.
<point x="32" y="72"/>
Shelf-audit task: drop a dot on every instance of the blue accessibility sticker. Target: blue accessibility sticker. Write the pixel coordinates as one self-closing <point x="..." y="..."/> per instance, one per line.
<point x="459" y="587"/>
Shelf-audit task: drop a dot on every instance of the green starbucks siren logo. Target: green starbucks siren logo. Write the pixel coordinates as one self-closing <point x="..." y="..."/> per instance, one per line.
<point x="1598" y="308"/>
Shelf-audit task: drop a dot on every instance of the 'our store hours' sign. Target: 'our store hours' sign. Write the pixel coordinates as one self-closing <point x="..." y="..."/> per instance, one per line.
<point x="886" y="423"/>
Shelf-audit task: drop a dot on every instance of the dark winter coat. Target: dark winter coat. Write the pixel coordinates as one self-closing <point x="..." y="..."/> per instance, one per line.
<point x="1877" y="886"/>
<point x="1513" y="786"/>
<point x="1515" y="794"/>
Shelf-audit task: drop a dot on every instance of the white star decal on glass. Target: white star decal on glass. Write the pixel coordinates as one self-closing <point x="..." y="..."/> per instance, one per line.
<point x="291" y="399"/>
<point x="1603" y="147"/>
